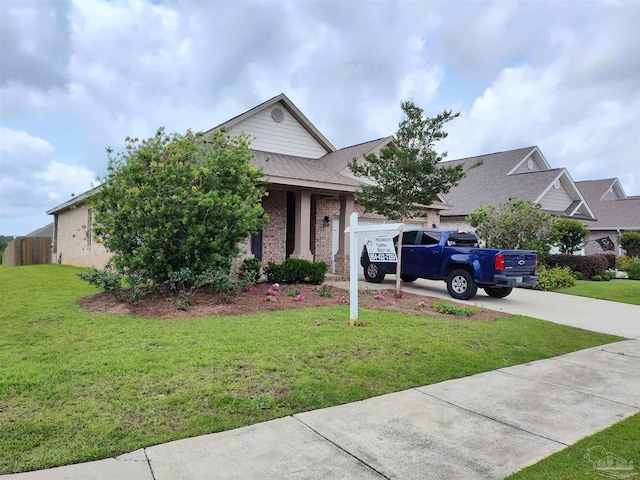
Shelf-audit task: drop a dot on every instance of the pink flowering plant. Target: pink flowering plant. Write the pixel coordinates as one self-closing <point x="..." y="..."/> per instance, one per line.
<point x="380" y="297"/>
<point x="299" y="298"/>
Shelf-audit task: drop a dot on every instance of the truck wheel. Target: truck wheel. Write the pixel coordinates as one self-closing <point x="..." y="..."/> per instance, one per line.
<point x="408" y="278"/>
<point x="373" y="273"/>
<point x="461" y="285"/>
<point x="498" y="292"/>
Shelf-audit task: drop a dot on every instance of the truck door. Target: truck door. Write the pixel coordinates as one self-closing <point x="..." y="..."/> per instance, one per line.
<point x="425" y="257"/>
<point x="408" y="244"/>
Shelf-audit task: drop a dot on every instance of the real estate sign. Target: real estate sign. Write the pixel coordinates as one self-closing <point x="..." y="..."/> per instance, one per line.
<point x="380" y="247"/>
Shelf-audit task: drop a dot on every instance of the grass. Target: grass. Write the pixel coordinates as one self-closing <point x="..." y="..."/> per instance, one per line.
<point x="621" y="440"/>
<point x="78" y="386"/>
<point x="624" y="291"/>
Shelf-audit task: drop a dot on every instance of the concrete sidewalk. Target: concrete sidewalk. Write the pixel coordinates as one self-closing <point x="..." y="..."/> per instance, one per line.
<point x="485" y="426"/>
<point x="591" y="314"/>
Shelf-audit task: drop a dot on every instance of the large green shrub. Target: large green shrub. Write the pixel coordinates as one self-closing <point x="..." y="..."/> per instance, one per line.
<point x="633" y="268"/>
<point x="569" y="235"/>
<point x="516" y="224"/>
<point x="554" y="278"/>
<point x="175" y="202"/>
<point x="630" y="241"/>
<point x="296" y="270"/>
<point x="587" y="265"/>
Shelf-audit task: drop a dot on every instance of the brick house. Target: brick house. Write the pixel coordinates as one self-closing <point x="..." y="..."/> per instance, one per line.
<point x="311" y="194"/>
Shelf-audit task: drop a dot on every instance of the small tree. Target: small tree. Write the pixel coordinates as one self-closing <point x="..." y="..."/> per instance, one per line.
<point x="178" y="201"/>
<point x="516" y="224"/>
<point x="406" y="174"/>
<point x="630" y="241"/>
<point x="569" y="235"/>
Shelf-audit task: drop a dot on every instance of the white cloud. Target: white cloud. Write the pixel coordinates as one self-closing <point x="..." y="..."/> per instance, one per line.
<point x="32" y="180"/>
<point x="547" y="73"/>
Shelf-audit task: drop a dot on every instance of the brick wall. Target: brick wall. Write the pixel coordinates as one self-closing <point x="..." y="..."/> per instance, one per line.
<point x="71" y="245"/>
<point x="274" y="235"/>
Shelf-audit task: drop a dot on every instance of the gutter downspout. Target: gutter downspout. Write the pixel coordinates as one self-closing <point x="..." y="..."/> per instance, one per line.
<point x="619" y="246"/>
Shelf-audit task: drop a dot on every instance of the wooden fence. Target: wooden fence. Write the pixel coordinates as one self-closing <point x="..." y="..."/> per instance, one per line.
<point x="27" y="251"/>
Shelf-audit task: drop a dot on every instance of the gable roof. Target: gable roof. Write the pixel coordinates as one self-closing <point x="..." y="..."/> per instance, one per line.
<point x="623" y="214"/>
<point x="490" y="179"/>
<point x="291" y="108"/>
<point x="46" y="231"/>
<point x="339" y="160"/>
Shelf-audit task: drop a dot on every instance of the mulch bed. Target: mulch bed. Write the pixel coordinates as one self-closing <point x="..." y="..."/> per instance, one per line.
<point x="204" y="303"/>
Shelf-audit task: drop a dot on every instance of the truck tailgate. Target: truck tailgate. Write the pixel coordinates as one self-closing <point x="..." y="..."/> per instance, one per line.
<point x="518" y="262"/>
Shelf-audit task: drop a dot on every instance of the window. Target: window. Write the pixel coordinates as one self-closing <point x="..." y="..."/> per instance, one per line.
<point x="430" y="238"/>
<point x="408" y="238"/>
<point x="89" y="222"/>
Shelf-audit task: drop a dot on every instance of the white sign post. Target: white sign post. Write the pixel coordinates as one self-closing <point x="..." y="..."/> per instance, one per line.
<point x="379" y="247"/>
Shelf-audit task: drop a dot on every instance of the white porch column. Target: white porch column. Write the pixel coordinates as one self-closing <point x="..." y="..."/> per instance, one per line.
<point x="303" y="226"/>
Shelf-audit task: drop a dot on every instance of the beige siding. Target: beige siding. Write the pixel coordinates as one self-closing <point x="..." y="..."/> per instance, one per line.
<point x="288" y="137"/>
<point x="524" y="168"/>
<point x="72" y="247"/>
<point x="556" y="200"/>
<point x="611" y="195"/>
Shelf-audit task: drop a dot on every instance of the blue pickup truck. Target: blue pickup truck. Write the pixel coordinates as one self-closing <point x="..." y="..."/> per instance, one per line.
<point x="456" y="258"/>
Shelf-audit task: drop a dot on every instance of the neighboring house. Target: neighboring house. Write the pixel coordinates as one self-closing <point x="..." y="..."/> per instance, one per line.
<point x="615" y="212"/>
<point x="46" y="231"/>
<point x="523" y="173"/>
<point x="310" y="193"/>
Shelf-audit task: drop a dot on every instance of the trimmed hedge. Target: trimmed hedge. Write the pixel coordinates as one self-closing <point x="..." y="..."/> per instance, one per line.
<point x="611" y="259"/>
<point x="587" y="265"/>
<point x="296" y="270"/>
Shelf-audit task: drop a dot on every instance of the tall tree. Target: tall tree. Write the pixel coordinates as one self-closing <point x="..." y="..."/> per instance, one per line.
<point x="406" y="175"/>
<point x="178" y="201"/>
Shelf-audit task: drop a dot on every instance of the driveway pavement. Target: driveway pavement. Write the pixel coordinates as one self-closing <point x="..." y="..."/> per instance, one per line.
<point x="591" y="314"/>
<point x="485" y="426"/>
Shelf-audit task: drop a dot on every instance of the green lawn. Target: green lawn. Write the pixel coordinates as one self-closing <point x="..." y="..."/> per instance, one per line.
<point x="621" y="440"/>
<point x="78" y="386"/>
<point x="624" y="291"/>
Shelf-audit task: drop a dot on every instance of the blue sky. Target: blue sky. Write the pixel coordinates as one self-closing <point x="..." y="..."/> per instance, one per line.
<point x="77" y="77"/>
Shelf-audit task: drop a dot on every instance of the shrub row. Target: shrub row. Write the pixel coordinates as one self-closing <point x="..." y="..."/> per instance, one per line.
<point x="611" y="259"/>
<point x="554" y="278"/>
<point x="296" y="270"/>
<point x="587" y="265"/>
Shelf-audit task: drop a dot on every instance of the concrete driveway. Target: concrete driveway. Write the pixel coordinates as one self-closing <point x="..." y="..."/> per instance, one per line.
<point x="588" y="313"/>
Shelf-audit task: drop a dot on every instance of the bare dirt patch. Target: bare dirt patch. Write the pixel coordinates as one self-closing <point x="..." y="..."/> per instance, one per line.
<point x="254" y="300"/>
